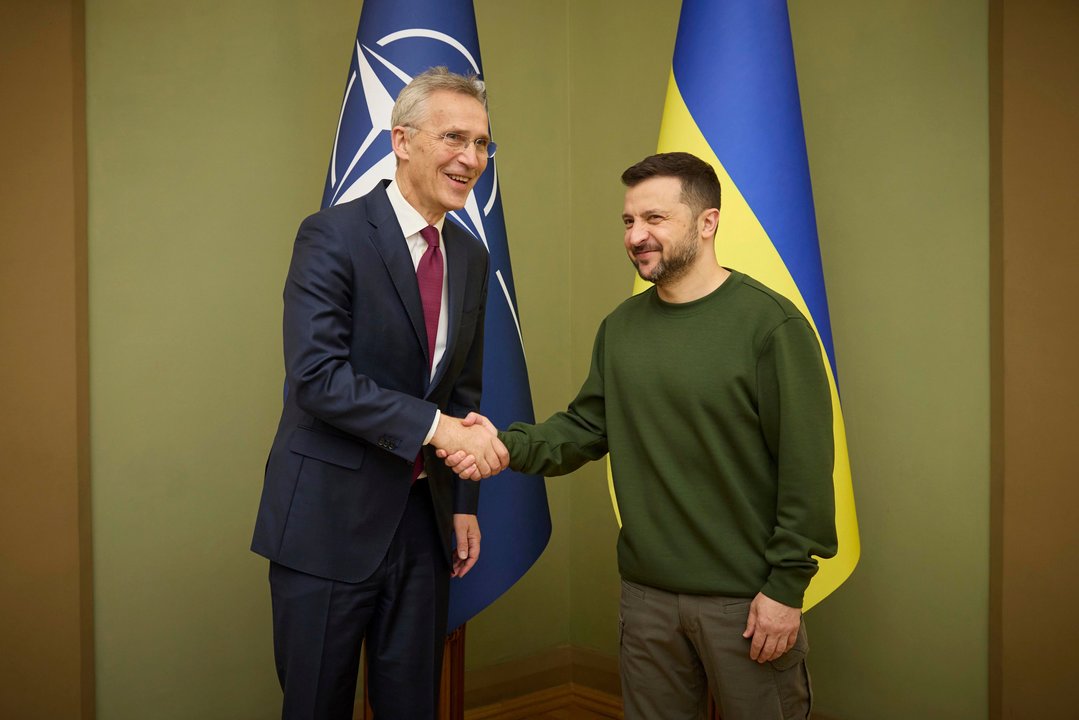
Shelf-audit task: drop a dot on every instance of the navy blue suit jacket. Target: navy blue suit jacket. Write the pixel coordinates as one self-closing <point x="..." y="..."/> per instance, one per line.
<point x="360" y="399"/>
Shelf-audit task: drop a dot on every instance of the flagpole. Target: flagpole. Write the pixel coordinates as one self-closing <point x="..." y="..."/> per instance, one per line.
<point x="451" y="693"/>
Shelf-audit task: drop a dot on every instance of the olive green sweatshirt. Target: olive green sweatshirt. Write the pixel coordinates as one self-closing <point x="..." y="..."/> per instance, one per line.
<point x="718" y="418"/>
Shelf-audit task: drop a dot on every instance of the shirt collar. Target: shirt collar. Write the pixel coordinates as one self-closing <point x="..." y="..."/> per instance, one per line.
<point x="408" y="217"/>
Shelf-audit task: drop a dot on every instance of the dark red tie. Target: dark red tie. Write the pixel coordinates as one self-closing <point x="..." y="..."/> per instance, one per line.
<point x="429" y="278"/>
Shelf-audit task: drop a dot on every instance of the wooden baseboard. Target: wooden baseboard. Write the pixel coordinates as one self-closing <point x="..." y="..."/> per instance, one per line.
<point x="565" y="696"/>
<point x="552" y="669"/>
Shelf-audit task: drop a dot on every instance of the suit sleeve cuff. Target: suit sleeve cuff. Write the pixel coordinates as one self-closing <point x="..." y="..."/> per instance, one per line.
<point x="434" y="426"/>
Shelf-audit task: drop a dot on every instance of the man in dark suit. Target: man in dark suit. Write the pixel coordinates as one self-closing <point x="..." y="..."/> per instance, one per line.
<point x="383" y="338"/>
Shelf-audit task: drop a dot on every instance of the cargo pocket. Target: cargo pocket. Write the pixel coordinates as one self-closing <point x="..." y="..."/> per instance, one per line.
<point x="792" y="679"/>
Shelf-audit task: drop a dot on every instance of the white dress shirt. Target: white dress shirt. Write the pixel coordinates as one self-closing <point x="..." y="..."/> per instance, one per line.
<point x="411" y="223"/>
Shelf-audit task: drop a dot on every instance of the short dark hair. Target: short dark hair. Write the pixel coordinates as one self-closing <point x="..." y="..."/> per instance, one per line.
<point x="700" y="185"/>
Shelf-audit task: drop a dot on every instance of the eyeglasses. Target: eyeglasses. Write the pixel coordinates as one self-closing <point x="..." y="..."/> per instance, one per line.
<point x="458" y="142"/>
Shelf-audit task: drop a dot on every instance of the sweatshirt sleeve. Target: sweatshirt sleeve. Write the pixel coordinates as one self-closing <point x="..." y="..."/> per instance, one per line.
<point x="568" y="439"/>
<point x="796" y="418"/>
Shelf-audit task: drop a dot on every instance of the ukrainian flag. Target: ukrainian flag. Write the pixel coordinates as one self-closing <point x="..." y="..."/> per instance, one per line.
<point x="732" y="100"/>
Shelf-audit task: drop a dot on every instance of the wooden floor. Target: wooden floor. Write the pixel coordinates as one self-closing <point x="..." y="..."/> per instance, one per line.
<point x="567" y="702"/>
<point x="572" y="712"/>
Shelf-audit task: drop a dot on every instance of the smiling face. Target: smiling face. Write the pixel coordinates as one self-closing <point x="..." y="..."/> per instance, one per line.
<point x="663" y="238"/>
<point x="434" y="178"/>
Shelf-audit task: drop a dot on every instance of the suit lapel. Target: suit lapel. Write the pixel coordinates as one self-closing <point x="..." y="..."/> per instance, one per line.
<point x="391" y="246"/>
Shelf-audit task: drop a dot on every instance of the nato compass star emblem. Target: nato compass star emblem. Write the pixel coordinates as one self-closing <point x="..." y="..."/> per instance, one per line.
<point x="373" y="158"/>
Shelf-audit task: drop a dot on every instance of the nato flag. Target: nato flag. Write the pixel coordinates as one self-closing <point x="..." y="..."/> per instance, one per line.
<point x="396" y="40"/>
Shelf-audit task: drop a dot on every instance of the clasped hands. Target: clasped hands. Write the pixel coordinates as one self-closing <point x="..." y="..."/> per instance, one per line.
<point x="470" y="447"/>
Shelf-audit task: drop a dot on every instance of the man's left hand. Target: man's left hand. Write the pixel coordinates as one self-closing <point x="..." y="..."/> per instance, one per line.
<point x="773" y="627"/>
<point x="466" y="528"/>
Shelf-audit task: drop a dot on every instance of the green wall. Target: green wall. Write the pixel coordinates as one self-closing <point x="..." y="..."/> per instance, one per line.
<point x="209" y="127"/>
<point x="895" y="99"/>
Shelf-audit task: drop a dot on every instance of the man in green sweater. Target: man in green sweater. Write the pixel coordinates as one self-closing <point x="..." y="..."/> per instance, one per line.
<point x="710" y="393"/>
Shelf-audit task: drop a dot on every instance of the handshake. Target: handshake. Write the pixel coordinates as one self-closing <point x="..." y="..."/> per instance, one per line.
<point x="470" y="447"/>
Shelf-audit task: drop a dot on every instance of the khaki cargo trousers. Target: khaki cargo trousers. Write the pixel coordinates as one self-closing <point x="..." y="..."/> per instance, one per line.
<point x="674" y="647"/>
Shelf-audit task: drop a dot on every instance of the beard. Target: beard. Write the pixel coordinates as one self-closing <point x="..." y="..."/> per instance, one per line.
<point x="674" y="266"/>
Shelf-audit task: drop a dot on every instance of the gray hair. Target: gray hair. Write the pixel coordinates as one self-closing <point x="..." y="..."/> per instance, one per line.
<point x="411" y="107"/>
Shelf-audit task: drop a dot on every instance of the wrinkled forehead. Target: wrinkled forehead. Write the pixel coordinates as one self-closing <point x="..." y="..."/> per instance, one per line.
<point x="455" y="111"/>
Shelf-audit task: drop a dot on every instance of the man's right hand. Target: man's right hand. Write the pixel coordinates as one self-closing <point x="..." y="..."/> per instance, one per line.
<point x="465" y="465"/>
<point x="472" y="441"/>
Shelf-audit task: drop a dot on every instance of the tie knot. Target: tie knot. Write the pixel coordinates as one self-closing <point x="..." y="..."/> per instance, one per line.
<point x="430" y="234"/>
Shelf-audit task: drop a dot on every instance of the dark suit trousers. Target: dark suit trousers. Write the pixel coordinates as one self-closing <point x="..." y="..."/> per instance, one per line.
<point x="319" y="625"/>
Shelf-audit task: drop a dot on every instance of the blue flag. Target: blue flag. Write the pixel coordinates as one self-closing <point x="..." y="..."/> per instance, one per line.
<point x="396" y="40"/>
<point x="732" y="100"/>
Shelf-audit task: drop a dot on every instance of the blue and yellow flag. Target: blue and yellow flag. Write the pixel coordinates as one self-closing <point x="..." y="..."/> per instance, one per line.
<point x="732" y="100"/>
<point x="396" y="40"/>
